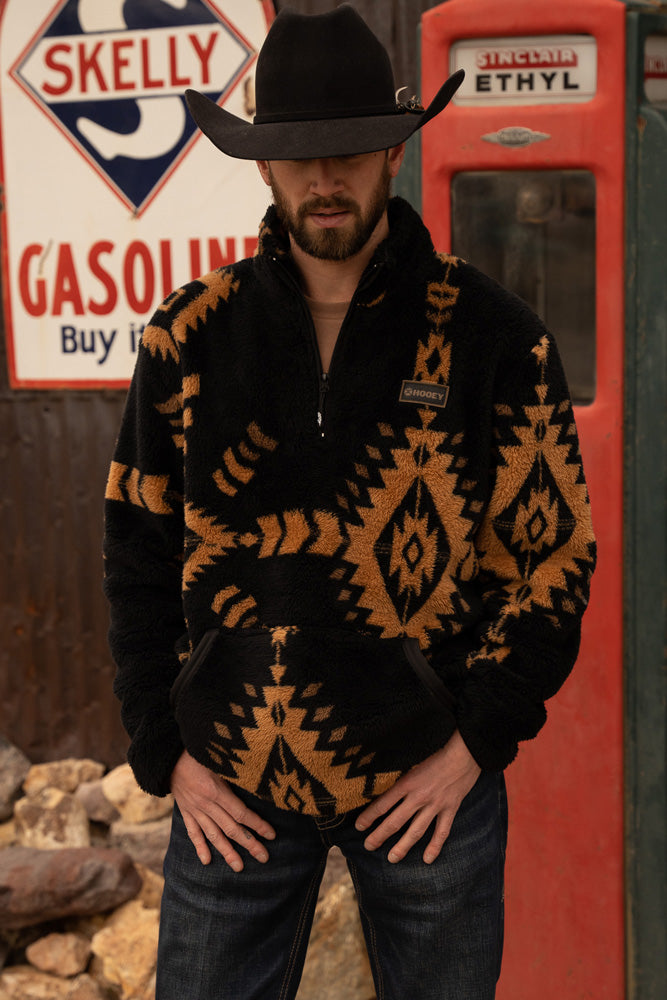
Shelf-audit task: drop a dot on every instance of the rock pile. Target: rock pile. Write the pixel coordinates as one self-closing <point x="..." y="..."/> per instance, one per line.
<point x="81" y="854"/>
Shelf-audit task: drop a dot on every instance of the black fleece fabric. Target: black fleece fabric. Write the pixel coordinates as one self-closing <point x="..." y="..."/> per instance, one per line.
<point x="314" y="580"/>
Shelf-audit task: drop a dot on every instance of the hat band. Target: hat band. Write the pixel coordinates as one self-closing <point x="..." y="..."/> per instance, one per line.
<point x="313" y="116"/>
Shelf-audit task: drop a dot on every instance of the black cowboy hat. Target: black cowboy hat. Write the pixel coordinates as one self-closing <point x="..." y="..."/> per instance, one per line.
<point x="324" y="87"/>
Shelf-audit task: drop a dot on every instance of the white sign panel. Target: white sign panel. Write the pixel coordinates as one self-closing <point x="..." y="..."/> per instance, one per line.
<point x="544" y="69"/>
<point x="112" y="196"/>
<point x="655" y="70"/>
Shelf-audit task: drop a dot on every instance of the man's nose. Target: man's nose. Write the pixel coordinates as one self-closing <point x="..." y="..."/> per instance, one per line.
<point x="325" y="177"/>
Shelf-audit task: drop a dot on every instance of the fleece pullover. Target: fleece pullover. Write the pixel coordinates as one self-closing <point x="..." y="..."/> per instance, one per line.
<point x="314" y="580"/>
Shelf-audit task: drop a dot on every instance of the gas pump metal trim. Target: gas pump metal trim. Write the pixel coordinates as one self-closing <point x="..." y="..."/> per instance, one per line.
<point x="515" y="136"/>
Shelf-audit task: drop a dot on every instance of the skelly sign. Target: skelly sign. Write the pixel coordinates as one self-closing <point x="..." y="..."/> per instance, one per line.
<point x="111" y="200"/>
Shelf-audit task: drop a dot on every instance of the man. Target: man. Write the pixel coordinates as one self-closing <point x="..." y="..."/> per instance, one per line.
<point x="348" y="549"/>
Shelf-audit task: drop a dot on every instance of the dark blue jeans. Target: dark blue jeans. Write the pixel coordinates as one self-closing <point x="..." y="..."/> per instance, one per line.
<point x="433" y="932"/>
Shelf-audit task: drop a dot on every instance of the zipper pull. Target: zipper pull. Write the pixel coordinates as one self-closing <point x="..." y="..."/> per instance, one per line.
<point x="324" y="388"/>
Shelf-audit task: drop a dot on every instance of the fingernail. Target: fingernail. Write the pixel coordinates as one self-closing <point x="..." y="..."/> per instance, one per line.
<point x="392" y="857"/>
<point x="263" y="857"/>
<point x="360" y="826"/>
<point x="429" y="858"/>
<point x="237" y="866"/>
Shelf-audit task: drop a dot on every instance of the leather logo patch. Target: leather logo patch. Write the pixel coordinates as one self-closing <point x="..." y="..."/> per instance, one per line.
<point x="424" y="393"/>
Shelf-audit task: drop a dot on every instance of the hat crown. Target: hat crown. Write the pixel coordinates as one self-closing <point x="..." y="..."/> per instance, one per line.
<point x="322" y="66"/>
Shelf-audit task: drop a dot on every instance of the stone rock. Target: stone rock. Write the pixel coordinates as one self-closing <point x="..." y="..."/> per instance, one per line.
<point x="21" y="982"/>
<point x="14" y="767"/>
<point x="152" y="887"/>
<point x="51" y="819"/>
<point x="37" y="885"/>
<point x="63" y="955"/>
<point x="336" y="962"/>
<point x="85" y="988"/>
<point x="133" y="804"/>
<point x="128" y="949"/>
<point x="145" y="843"/>
<point x="5" y="949"/>
<point x="96" y="972"/>
<point x="7" y="833"/>
<point x="98" y="808"/>
<point x="66" y="775"/>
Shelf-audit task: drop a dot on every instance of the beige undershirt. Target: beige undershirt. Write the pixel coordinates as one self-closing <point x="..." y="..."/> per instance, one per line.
<point x="328" y="318"/>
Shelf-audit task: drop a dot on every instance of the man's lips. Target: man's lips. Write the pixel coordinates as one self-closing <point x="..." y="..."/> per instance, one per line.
<point x="328" y="220"/>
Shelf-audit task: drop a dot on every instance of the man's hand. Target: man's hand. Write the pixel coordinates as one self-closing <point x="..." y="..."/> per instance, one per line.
<point x="213" y="813"/>
<point x="433" y="790"/>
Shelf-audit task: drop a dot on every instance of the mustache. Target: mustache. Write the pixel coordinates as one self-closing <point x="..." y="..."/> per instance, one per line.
<point x="336" y="202"/>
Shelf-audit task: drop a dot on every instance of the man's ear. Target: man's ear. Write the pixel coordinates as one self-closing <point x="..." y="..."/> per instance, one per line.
<point x="265" y="170"/>
<point x="395" y="158"/>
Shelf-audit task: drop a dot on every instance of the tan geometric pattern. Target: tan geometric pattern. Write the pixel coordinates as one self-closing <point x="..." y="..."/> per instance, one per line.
<point x="406" y="563"/>
<point x="132" y="486"/>
<point x="180" y="321"/>
<point x="278" y="735"/>
<point x="178" y="409"/>
<point x="533" y="525"/>
<point x="238" y="464"/>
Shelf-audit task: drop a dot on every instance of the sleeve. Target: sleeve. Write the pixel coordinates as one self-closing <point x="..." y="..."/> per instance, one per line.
<point x="536" y="556"/>
<point x="143" y="557"/>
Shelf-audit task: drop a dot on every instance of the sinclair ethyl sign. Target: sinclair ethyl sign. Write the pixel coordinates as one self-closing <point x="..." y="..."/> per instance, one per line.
<point x="112" y="197"/>
<point x="549" y="69"/>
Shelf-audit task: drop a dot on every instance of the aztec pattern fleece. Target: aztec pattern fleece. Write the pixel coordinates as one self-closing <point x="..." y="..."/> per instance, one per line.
<point x="295" y="563"/>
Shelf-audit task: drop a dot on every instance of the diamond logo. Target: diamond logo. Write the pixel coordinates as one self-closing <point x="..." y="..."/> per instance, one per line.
<point x="111" y="77"/>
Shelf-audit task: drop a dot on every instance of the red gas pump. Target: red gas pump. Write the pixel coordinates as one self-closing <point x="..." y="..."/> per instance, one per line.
<point x="524" y="177"/>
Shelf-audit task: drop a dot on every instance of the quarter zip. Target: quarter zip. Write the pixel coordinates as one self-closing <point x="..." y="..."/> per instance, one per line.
<point x="321" y="405"/>
<point x="324" y="378"/>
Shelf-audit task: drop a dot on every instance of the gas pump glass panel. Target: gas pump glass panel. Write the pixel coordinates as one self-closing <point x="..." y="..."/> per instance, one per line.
<point x="534" y="232"/>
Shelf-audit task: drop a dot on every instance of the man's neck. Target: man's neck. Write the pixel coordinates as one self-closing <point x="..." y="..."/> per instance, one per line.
<point x="336" y="280"/>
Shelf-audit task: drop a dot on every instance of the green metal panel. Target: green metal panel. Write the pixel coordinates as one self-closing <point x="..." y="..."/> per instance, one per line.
<point x="408" y="183"/>
<point x="645" y="519"/>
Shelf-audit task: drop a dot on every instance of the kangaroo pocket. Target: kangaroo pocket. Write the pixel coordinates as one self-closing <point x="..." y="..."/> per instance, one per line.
<point x="315" y="720"/>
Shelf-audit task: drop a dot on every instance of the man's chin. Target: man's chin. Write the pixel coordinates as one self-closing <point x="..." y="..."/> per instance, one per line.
<point x="329" y="244"/>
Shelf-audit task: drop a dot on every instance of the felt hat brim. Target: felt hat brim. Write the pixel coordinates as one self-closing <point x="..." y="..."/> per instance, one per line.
<point x="313" y="138"/>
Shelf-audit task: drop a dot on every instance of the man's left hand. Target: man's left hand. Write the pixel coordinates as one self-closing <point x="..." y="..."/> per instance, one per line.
<point x="433" y="790"/>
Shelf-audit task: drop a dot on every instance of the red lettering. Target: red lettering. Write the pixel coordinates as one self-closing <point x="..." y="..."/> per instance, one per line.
<point x="66" y="288"/>
<point x="250" y="244"/>
<point x="139" y="252"/>
<point x="216" y="256"/>
<point x="108" y="304"/>
<point x="120" y="63"/>
<point x="87" y="64"/>
<point x="147" y="81"/>
<point x="518" y="58"/>
<point x="175" y="79"/>
<point x="34" y="304"/>
<point x="63" y="68"/>
<point x="165" y="267"/>
<point x="195" y="259"/>
<point x="204" y="54"/>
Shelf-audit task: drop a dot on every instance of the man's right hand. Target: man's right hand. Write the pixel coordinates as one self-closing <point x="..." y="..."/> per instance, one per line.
<point x="214" y="814"/>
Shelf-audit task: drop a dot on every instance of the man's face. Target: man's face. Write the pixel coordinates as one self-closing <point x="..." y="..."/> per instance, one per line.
<point x="332" y="206"/>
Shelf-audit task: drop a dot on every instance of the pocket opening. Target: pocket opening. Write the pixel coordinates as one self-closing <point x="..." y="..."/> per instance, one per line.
<point x="427" y="675"/>
<point x="199" y="654"/>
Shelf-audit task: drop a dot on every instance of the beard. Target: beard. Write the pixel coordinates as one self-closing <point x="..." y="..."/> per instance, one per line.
<point x="337" y="243"/>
